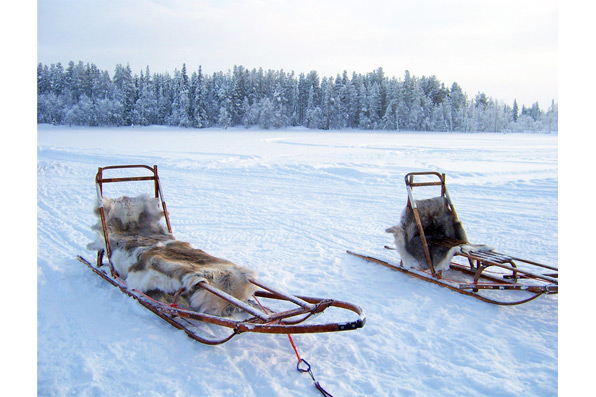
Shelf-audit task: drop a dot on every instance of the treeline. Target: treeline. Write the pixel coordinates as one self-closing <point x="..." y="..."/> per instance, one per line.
<point x="83" y="95"/>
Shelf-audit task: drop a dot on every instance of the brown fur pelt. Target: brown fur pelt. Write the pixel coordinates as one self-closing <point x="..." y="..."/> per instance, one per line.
<point x="438" y="222"/>
<point x="150" y="259"/>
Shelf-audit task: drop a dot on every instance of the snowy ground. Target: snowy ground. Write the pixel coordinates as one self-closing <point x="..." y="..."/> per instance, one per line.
<point x="288" y="204"/>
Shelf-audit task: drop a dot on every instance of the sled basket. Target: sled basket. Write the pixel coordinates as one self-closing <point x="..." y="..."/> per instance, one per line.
<point x="507" y="280"/>
<point x="267" y="311"/>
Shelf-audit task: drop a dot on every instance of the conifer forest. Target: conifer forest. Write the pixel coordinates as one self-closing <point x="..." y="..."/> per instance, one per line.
<point x="81" y="94"/>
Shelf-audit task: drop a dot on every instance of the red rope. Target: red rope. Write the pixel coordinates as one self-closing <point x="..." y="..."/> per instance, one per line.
<point x="294" y="346"/>
<point x="300" y="360"/>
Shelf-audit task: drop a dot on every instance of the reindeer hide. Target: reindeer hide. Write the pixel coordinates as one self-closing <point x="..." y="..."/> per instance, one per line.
<point x="151" y="260"/>
<point x="438" y="222"/>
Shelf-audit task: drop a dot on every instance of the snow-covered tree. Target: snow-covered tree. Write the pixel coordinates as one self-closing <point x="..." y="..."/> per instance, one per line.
<point x="125" y="93"/>
<point x="145" y="108"/>
<point x="198" y="93"/>
<point x="181" y="115"/>
<point x="515" y="111"/>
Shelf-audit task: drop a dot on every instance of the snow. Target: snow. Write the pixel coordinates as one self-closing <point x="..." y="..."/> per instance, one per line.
<point x="288" y="204"/>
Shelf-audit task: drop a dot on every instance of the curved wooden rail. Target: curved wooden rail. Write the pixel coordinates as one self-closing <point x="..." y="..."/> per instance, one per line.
<point x="268" y="323"/>
<point x="465" y="289"/>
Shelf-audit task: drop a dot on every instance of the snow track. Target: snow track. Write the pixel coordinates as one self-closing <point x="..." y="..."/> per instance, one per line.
<point x="288" y="204"/>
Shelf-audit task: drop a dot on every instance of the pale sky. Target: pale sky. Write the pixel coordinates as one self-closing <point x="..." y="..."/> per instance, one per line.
<point x="504" y="48"/>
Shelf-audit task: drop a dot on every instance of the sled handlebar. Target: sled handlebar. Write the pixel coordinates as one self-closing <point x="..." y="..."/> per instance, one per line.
<point x="410" y="179"/>
<point x="100" y="179"/>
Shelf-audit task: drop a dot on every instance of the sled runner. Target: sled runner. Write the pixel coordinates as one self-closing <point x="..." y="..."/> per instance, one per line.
<point x="434" y="247"/>
<point x="210" y="299"/>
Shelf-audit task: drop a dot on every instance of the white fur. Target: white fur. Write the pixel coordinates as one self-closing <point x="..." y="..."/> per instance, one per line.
<point x="446" y="261"/>
<point x="97" y="244"/>
<point x="469" y="248"/>
<point x="152" y="280"/>
<point x="407" y="260"/>
<point x="122" y="260"/>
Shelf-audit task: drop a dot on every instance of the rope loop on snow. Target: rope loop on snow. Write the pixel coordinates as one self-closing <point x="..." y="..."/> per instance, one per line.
<point x="307" y="369"/>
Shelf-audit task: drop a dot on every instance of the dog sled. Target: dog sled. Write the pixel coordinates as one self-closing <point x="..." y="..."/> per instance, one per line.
<point x="210" y="299"/>
<point x="434" y="247"/>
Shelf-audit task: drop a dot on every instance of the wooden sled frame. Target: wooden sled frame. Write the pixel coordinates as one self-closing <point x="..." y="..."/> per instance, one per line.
<point x="517" y="272"/>
<point x="261" y="319"/>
